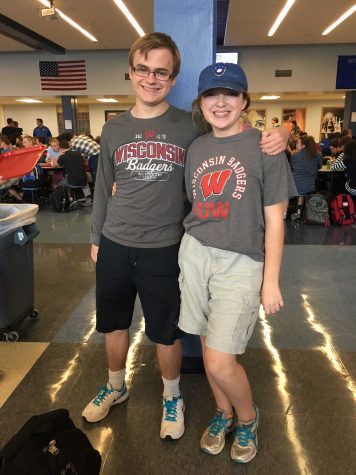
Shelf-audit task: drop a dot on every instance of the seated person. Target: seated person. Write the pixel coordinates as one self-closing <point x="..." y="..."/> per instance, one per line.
<point x="5" y="144"/>
<point x="53" y="152"/>
<point x="73" y="164"/>
<point x="348" y="164"/>
<point x="305" y="163"/>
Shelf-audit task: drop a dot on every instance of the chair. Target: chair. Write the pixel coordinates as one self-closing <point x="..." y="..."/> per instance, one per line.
<point x="78" y="196"/>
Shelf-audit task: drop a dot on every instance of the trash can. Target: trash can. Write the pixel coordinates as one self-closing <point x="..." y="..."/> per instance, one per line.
<point x="17" y="230"/>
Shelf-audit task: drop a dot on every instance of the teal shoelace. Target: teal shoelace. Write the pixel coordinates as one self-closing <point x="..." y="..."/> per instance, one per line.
<point x="104" y="392"/>
<point x="244" y="435"/>
<point x="170" y="409"/>
<point x="217" y="425"/>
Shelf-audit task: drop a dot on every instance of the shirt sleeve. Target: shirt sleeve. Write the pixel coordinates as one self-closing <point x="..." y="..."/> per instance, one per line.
<point x="278" y="182"/>
<point x="105" y="178"/>
<point x="187" y="178"/>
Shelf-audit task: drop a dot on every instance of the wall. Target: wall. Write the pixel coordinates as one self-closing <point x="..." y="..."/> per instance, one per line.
<point x="19" y="73"/>
<point x="314" y="69"/>
<point x="26" y="115"/>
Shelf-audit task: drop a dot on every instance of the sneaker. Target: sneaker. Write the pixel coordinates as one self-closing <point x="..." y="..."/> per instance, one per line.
<point x="100" y="406"/>
<point x="213" y="438"/>
<point x="244" y="446"/>
<point x="172" y="425"/>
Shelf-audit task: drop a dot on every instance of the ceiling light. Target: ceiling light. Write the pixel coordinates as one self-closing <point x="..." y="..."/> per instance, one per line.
<point x="269" y="98"/>
<point x="281" y="17"/>
<point x="29" y="101"/>
<point x="120" y="4"/>
<point x="107" y="99"/>
<point x="343" y="17"/>
<point x="66" y="18"/>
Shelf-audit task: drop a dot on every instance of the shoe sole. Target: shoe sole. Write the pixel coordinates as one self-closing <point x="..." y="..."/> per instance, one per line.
<point x="211" y="452"/>
<point x="122" y="398"/>
<point x="169" y="437"/>
<point x="248" y="460"/>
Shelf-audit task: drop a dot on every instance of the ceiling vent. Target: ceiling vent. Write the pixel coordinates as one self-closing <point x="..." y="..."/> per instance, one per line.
<point x="283" y="73"/>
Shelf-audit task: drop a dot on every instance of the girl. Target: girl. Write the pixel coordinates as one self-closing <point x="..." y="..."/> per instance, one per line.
<point x="305" y="163"/>
<point x="233" y="245"/>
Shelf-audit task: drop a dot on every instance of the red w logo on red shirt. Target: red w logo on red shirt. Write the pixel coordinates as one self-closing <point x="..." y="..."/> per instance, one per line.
<point x="214" y="183"/>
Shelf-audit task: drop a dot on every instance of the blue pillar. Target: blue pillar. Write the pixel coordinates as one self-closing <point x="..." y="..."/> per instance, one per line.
<point x="192" y="25"/>
<point x="69" y="106"/>
<point x="350" y="108"/>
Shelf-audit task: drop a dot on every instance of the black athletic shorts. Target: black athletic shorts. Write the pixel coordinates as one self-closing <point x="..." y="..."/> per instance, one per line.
<point x="122" y="272"/>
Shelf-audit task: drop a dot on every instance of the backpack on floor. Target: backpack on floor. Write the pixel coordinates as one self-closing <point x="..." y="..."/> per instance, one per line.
<point x="342" y="210"/>
<point x="317" y="210"/>
<point x="49" y="444"/>
<point x="60" y="199"/>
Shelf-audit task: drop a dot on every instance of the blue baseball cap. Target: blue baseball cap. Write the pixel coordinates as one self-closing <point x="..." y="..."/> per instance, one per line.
<point x="222" y="75"/>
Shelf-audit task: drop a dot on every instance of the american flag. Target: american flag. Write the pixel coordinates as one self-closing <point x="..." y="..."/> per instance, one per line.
<point x="63" y="75"/>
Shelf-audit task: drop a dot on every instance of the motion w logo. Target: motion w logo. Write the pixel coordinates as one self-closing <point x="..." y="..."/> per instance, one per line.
<point x="214" y="183"/>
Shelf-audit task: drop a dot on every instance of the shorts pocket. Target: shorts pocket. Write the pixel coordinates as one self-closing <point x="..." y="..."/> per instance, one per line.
<point x="247" y="319"/>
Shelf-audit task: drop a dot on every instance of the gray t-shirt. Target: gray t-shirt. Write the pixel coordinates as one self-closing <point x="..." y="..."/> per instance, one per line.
<point x="145" y="158"/>
<point x="229" y="181"/>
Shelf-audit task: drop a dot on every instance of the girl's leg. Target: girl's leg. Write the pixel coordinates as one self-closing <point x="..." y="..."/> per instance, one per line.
<point x="222" y="401"/>
<point x="229" y="382"/>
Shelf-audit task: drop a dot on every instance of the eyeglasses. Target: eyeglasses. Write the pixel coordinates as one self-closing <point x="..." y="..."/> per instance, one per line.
<point x="160" y="74"/>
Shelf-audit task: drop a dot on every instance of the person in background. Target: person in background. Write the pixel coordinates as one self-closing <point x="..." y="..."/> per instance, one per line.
<point x="89" y="149"/>
<point x="275" y="122"/>
<point x="53" y="152"/>
<point x="9" y="128"/>
<point x="305" y="163"/>
<point x="231" y="252"/>
<point x="142" y="224"/>
<point x="17" y="132"/>
<point x="74" y="167"/>
<point x="42" y="131"/>
<point x="5" y="144"/>
<point x="10" y="186"/>
<point x="295" y="130"/>
<point x="346" y="133"/>
<point x="348" y="164"/>
<point x="28" y="141"/>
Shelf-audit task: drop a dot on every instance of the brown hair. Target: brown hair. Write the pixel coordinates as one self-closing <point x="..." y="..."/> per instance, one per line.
<point x="350" y="148"/>
<point x="309" y="144"/>
<point x="30" y="138"/>
<point x="202" y="126"/>
<point x="154" y="41"/>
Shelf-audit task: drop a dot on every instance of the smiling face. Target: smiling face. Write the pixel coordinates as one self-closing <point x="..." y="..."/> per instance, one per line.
<point x="150" y="92"/>
<point x="222" y="109"/>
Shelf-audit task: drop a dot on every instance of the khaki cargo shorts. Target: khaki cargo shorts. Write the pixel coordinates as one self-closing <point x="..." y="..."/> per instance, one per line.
<point x="220" y="295"/>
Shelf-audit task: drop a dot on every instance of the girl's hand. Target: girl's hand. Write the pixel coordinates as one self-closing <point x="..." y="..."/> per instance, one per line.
<point x="271" y="298"/>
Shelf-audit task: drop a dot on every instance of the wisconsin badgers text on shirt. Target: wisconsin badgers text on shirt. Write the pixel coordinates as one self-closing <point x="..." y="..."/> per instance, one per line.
<point x="150" y="150"/>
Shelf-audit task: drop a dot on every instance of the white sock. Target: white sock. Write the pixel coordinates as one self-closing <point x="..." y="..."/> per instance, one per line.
<point x="171" y="387"/>
<point x="117" y="378"/>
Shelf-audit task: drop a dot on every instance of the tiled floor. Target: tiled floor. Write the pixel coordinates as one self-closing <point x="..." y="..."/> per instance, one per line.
<point x="301" y="363"/>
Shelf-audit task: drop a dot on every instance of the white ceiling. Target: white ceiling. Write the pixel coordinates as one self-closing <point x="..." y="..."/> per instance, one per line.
<point x="247" y="24"/>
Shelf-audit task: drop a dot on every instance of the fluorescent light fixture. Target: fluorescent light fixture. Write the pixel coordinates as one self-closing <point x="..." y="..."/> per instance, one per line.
<point x="107" y="99"/>
<point x="71" y="22"/>
<point x="269" y="98"/>
<point x="281" y="17"/>
<point x="336" y="23"/>
<point x="120" y="4"/>
<point x="28" y="101"/>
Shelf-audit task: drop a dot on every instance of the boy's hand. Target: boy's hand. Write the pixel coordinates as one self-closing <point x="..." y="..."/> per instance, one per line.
<point x="274" y="141"/>
<point x="94" y="252"/>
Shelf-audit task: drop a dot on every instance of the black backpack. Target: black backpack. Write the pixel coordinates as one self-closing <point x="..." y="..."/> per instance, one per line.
<point x="317" y="210"/>
<point x="60" y="199"/>
<point x="49" y="444"/>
